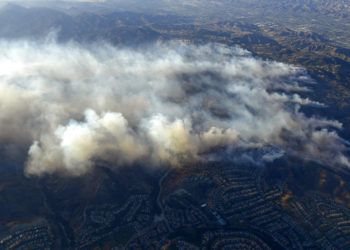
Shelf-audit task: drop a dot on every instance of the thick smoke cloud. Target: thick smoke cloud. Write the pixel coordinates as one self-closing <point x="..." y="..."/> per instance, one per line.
<point x="68" y="107"/>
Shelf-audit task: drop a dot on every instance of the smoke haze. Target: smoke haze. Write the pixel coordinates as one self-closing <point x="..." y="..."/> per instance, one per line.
<point x="67" y="106"/>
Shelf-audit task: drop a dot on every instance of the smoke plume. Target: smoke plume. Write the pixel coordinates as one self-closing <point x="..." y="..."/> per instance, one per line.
<point x="69" y="106"/>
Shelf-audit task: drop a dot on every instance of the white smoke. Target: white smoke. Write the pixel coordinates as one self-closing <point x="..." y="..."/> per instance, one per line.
<point x="70" y="106"/>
